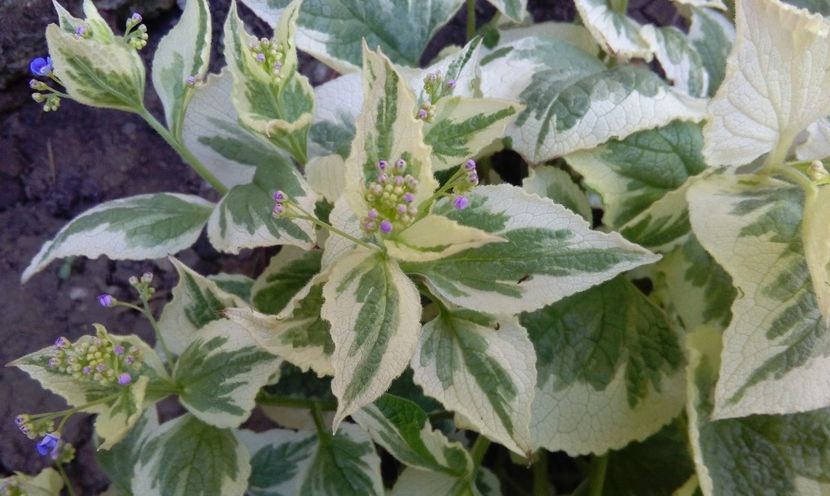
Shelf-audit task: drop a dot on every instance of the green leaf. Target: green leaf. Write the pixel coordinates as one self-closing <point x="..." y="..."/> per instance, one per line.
<point x="776" y="348"/>
<point x="114" y="423"/>
<point x="338" y="102"/>
<point x="665" y="223"/>
<point x="761" y="107"/>
<point x="483" y="369"/>
<point x="516" y="10"/>
<point x="235" y="284"/>
<point x="610" y="370"/>
<point x="403" y="429"/>
<point x="548" y="255"/>
<point x="119" y="462"/>
<point x="633" y="173"/>
<point x="416" y="482"/>
<point x="277" y="107"/>
<point x="221" y="372"/>
<point x="573" y="102"/>
<point x="434" y="237"/>
<point x="135" y="228"/>
<point x="374" y="312"/>
<point x="556" y="184"/>
<point x="287" y="273"/>
<point x="462" y="128"/>
<point x="100" y="74"/>
<point x="244" y="217"/>
<point x="618" y="35"/>
<point x="287" y="462"/>
<point x="712" y="34"/>
<point x="183" y="52"/>
<point x="679" y="59"/>
<point x="187" y="456"/>
<point x="327" y="28"/>
<point x="196" y="302"/>
<point x="760" y="454"/>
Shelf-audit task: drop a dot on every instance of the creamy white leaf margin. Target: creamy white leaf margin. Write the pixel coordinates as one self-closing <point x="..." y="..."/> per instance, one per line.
<point x="617" y="34"/>
<point x="678" y="58"/>
<point x="337" y="105"/>
<point x="817" y="144"/>
<point x="777" y="83"/>
<point x="712" y="4"/>
<point x="556" y="184"/>
<point x="435" y="237"/>
<point x="326" y="176"/>
<point x="578" y="36"/>
<point x="135" y="228"/>
<point x="816" y="237"/>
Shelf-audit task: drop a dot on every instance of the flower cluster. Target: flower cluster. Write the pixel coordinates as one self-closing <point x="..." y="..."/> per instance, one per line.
<point x="42" y="67"/>
<point x="99" y="359"/>
<point x="465" y="179"/>
<point x="34" y="427"/>
<point x="138" y="38"/>
<point x="435" y="87"/>
<point x="270" y="54"/>
<point x="390" y="197"/>
<point x="143" y="285"/>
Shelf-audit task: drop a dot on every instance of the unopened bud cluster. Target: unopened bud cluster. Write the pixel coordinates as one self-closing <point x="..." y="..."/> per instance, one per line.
<point x="462" y="182"/>
<point x="391" y="198"/>
<point x="143" y="285"/>
<point x="136" y="38"/>
<point x="34" y="427"/>
<point x="98" y="360"/>
<point x="270" y="54"/>
<point x="435" y="87"/>
<point x="42" y="67"/>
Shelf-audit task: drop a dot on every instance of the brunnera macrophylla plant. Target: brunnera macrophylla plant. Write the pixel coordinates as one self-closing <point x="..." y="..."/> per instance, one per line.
<point x="421" y="304"/>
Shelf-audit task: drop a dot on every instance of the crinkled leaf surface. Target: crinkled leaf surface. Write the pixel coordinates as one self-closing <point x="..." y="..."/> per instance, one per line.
<point x="556" y="184"/>
<point x="679" y="59"/>
<point x="617" y="34"/>
<point x="712" y="34"/>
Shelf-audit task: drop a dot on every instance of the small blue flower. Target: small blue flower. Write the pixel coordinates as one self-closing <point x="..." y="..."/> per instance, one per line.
<point x="41" y="66"/>
<point x="48" y="444"/>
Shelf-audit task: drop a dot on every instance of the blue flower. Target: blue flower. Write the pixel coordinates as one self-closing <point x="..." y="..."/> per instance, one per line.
<point x="41" y="66"/>
<point x="48" y="444"/>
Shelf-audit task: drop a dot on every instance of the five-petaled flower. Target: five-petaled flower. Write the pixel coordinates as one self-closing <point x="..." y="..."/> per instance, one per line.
<point x="48" y="444"/>
<point x="41" y="66"/>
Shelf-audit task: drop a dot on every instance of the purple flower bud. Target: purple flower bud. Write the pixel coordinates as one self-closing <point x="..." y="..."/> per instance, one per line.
<point x="472" y="178"/>
<point x="401" y="209"/>
<point x="400" y="164"/>
<point x="106" y="300"/>
<point x="136" y="17"/>
<point x="372" y="214"/>
<point x="422" y="114"/>
<point x="260" y="57"/>
<point x="61" y="342"/>
<point x="386" y="226"/>
<point x="470" y="165"/>
<point x="47" y="444"/>
<point x="408" y="197"/>
<point x="129" y="360"/>
<point x="277" y="65"/>
<point x="382" y="165"/>
<point x="118" y="349"/>
<point x="53" y="362"/>
<point x="278" y="196"/>
<point x="382" y="178"/>
<point x="86" y="371"/>
<point x="369" y="225"/>
<point x="20" y="420"/>
<point x="461" y="202"/>
<point x="190" y="80"/>
<point x="79" y="32"/>
<point x="101" y="367"/>
<point x="41" y="66"/>
<point x="278" y="209"/>
<point x="398" y="181"/>
<point x="451" y="83"/>
<point x="125" y="379"/>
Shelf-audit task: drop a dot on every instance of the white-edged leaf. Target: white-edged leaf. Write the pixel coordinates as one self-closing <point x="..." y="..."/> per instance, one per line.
<point x="417" y="482"/>
<point x="236" y="284"/>
<point x="713" y="4"/>
<point x="434" y="237"/>
<point x="187" y="456"/>
<point x="482" y="368"/>
<point x="817" y="144"/>
<point x="326" y="176"/>
<point x="244" y="217"/>
<point x="679" y="59"/>
<point x="556" y="184"/>
<point x="119" y="462"/>
<point x="286" y="275"/>
<point x="48" y="482"/>
<point x="550" y="253"/>
<point x="514" y="9"/>
<point x="345" y="220"/>
<point x="665" y="223"/>
<point x="221" y="372"/>
<point x="611" y="370"/>
<point x="461" y="66"/>
<point x="572" y="101"/>
<point x="338" y="102"/>
<point x="287" y="462"/>
<point x="135" y="228"/>
<point x="815" y="233"/>
<point x="776" y="350"/>
<point x="113" y="424"/>
<point x="712" y="34"/>
<point x="374" y="311"/>
<point x="576" y="35"/>
<point x="183" y="52"/>
<point x="196" y="302"/>
<point x="777" y="83"/>
<point x="760" y="454"/>
<point x="97" y="73"/>
<point x="617" y="34"/>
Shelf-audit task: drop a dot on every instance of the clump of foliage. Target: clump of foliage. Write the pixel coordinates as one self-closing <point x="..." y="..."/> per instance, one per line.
<point x="422" y="306"/>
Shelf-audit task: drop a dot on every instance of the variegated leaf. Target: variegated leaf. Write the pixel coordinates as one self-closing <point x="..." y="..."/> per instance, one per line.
<point x="47" y="482"/>
<point x="776" y="350"/>
<point x="416" y="482"/>
<point x="183" y="52"/>
<point x="114" y="423"/>
<point x="274" y="102"/>
<point x="482" y="368"/>
<point x="326" y="176"/>
<point x="135" y="228"/>
<point x="571" y="33"/>
<point x="187" y="456"/>
<point x="327" y="28"/>
<point x="338" y="102"/>
<point x="119" y="462"/>
<point x="287" y="462"/>
<point x="550" y="253"/>
<point x="665" y="223"/>
<point x="760" y="454"/>
<point x="679" y="59"/>
<point x="374" y="311"/>
<point x="244" y="217"/>
<point x="286" y="275"/>
<point x="815" y="234"/>
<point x="610" y="370"/>
<point x="461" y="66"/>
<point x="235" y="284"/>
<point x="556" y="184"/>
<point x="221" y="372"/>
<point x="712" y="35"/>
<point x="633" y="173"/>
<point x="617" y="34"/>
<point x="514" y="9"/>
<point x="573" y="102"/>
<point x="817" y="144"/>
<point x="713" y="4"/>
<point x="777" y="83"/>
<point x="96" y="72"/>
<point x="403" y="429"/>
<point x="196" y="302"/>
<point x="434" y="237"/>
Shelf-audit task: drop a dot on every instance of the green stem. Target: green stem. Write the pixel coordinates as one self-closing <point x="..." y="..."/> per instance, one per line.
<point x="619" y="6"/>
<point x="471" y="19"/>
<point x="314" y="220"/>
<point x="188" y="157"/>
<point x="168" y="358"/>
<point x="541" y="486"/>
<point x="66" y="480"/>
<point x="318" y="419"/>
<point x="596" y="475"/>
<point x="479" y="449"/>
<point x="276" y="400"/>
<point x="795" y="176"/>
